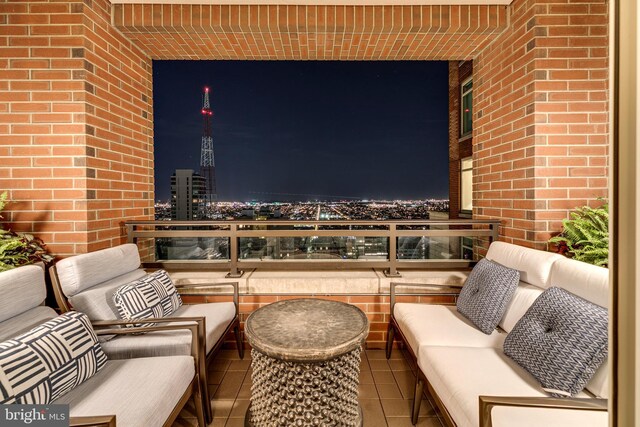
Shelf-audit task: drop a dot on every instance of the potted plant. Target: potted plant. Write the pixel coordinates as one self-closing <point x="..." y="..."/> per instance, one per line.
<point x="585" y="235"/>
<point x="18" y="249"/>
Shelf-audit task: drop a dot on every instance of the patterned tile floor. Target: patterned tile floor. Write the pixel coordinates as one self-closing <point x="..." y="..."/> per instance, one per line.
<point x="386" y="389"/>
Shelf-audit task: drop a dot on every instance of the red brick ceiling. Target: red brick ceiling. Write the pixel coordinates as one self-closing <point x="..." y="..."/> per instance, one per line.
<point x="166" y="31"/>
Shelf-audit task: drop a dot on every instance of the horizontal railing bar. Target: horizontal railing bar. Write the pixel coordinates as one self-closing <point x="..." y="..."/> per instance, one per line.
<point x="203" y="265"/>
<point x="316" y="222"/>
<point x="310" y="265"/>
<point x="311" y="233"/>
<point x="180" y="233"/>
<point x="443" y="233"/>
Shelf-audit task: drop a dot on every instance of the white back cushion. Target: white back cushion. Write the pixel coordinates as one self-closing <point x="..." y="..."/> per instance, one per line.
<point x="97" y="301"/>
<point x="81" y="272"/>
<point x="585" y="280"/>
<point x="534" y="265"/>
<point x="21" y="289"/>
<point x="599" y="384"/>
<point x="591" y="283"/>
<point x="522" y="299"/>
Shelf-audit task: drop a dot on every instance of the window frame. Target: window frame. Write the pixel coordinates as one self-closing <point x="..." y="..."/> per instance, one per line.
<point x="464" y="93"/>
<point x="462" y="186"/>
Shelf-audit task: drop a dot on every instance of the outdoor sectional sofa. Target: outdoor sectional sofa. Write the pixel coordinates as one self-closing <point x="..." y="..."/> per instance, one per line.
<point x="466" y="372"/>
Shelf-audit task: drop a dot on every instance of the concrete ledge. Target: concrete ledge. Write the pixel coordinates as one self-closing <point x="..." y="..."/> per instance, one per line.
<point x="351" y="282"/>
<point x="433" y="277"/>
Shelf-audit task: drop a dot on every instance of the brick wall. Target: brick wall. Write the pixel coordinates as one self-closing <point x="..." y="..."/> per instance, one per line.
<point x="540" y="123"/>
<point x="454" y="135"/>
<point x="75" y="124"/>
<point x="119" y="129"/>
<point x="459" y="148"/>
<point x="42" y="131"/>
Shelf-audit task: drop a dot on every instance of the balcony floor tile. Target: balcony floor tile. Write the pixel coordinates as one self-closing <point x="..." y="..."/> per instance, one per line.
<point x="386" y="389"/>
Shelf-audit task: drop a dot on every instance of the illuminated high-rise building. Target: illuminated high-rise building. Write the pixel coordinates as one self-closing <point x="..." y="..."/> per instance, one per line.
<point x="187" y="192"/>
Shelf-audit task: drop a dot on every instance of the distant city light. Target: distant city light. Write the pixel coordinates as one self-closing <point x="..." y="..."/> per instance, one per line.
<point x="305" y="211"/>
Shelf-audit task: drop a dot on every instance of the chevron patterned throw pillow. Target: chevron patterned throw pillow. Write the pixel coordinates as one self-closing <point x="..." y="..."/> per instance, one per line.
<point x="154" y="295"/>
<point x="561" y="340"/>
<point x="41" y="365"/>
<point x="486" y="294"/>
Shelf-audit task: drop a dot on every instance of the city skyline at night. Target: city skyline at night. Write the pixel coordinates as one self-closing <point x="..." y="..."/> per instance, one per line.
<point x="307" y="130"/>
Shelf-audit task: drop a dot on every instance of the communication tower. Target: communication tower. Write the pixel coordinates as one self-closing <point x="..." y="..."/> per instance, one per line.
<point x="207" y="163"/>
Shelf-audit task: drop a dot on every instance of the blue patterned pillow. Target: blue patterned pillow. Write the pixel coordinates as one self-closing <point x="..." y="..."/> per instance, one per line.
<point x="486" y="294"/>
<point x="41" y="365"/>
<point x="154" y="295"/>
<point x="561" y="340"/>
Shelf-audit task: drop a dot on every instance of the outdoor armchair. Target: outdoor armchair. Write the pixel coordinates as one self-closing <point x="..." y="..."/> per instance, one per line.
<point x="145" y="391"/>
<point x="137" y="392"/>
<point x="87" y="283"/>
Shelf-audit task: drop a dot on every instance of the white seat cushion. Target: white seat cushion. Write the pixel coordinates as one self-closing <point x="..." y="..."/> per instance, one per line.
<point x="217" y="315"/>
<point x="140" y="392"/>
<point x="536" y="417"/>
<point x="459" y="375"/>
<point x="427" y="324"/>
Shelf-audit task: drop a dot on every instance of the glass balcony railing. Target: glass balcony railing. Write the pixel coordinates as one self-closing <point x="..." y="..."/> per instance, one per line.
<point x="238" y="245"/>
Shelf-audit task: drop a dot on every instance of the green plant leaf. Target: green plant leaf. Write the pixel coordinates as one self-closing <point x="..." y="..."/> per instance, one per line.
<point x="586" y="234"/>
<point x="18" y="249"/>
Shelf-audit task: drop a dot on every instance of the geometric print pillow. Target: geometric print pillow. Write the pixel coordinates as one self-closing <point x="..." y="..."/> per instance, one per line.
<point x="561" y="340"/>
<point x="486" y="294"/>
<point x="154" y="295"/>
<point x="41" y="365"/>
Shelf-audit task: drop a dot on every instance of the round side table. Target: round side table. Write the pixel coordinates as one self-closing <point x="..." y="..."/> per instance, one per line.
<point x="305" y="363"/>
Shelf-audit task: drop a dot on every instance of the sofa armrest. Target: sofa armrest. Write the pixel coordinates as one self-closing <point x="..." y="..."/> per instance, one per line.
<point x="205" y="289"/>
<point x="194" y="324"/>
<point x="100" y="421"/>
<point x="487" y="403"/>
<point x="426" y="289"/>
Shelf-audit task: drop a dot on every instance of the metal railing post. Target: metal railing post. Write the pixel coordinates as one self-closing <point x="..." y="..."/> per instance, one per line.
<point x="130" y="238"/>
<point x="495" y="230"/>
<point x="233" y="252"/>
<point x="393" y="253"/>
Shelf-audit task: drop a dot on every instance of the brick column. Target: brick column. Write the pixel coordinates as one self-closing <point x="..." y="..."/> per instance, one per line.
<point x="540" y="127"/>
<point x="75" y="124"/>
<point x="454" y="134"/>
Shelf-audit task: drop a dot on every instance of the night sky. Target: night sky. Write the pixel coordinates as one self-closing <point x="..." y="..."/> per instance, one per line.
<point x="293" y="130"/>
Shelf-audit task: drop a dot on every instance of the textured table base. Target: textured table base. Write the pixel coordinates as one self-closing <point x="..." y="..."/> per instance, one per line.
<point x="247" y="419"/>
<point x="292" y="394"/>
